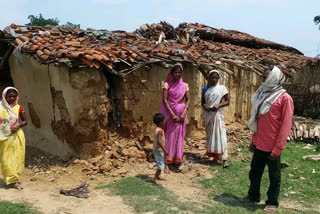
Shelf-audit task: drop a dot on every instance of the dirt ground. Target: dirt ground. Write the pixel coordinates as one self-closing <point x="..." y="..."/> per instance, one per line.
<point x="45" y="175"/>
<point x="41" y="188"/>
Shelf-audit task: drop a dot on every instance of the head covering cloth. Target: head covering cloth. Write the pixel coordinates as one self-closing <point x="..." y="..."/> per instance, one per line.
<point x="269" y="91"/>
<point x="8" y="106"/>
<point x="170" y="74"/>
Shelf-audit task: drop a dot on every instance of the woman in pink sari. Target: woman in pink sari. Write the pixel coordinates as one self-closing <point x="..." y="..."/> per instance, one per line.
<point x="173" y="107"/>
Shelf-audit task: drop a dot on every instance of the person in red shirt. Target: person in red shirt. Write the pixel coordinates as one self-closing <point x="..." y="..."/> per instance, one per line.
<point x="270" y="123"/>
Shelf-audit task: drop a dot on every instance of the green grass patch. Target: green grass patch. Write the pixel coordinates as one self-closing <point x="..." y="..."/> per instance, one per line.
<point x="298" y="180"/>
<point x="228" y="186"/>
<point x="145" y="196"/>
<point x="7" y="207"/>
<point x="302" y="177"/>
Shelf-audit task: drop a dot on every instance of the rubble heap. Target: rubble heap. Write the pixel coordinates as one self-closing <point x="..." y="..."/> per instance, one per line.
<point x="233" y="37"/>
<point x="116" y="155"/>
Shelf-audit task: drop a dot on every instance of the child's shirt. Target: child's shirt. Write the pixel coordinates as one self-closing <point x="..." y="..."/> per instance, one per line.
<point x="156" y="146"/>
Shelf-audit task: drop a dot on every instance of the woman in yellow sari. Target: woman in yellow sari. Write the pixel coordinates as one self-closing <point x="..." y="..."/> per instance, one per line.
<point x="12" y="140"/>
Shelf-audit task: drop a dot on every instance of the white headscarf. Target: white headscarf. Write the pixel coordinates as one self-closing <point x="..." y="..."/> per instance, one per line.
<point x="178" y="64"/>
<point x="7" y="115"/>
<point x="6" y="105"/>
<point x="214" y="71"/>
<point x="270" y="90"/>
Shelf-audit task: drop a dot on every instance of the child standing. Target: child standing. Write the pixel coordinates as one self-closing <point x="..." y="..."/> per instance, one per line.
<point x="158" y="145"/>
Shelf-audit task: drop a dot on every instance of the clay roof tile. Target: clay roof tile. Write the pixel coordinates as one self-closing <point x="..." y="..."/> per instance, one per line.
<point x="44" y="57"/>
<point x="89" y="57"/>
<point x="81" y="39"/>
<point x="76" y="31"/>
<point x="59" y="41"/>
<point x="29" y="35"/>
<point x="96" y="64"/>
<point x="46" y="51"/>
<point x="34" y="47"/>
<point x="86" y="61"/>
<point x="62" y="42"/>
<point x="97" y="57"/>
<point x="13" y="26"/>
<point x="18" y="41"/>
<point x="55" y="32"/>
<point x="19" y="30"/>
<point x="61" y="53"/>
<point x="39" y="52"/>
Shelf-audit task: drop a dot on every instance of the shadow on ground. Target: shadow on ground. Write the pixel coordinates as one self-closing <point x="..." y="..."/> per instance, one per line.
<point x="234" y="201"/>
<point x="145" y="177"/>
<point x="36" y="158"/>
<point x="3" y="185"/>
<point x="200" y="159"/>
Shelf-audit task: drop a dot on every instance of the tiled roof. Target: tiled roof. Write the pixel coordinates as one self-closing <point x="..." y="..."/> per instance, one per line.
<point x="121" y="52"/>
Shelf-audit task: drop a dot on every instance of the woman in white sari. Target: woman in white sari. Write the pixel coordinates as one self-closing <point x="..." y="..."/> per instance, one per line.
<point x="214" y="98"/>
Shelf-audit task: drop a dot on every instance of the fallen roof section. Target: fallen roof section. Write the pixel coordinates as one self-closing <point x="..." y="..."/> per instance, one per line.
<point x="122" y="52"/>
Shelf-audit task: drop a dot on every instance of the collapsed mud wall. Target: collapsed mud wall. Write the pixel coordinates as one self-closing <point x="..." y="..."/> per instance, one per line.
<point x="70" y="110"/>
<point x="67" y="109"/>
<point x="140" y="96"/>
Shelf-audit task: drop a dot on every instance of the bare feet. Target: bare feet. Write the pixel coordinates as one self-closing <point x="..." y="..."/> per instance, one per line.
<point x="166" y="170"/>
<point x="180" y="168"/>
<point x="225" y="164"/>
<point x="155" y="180"/>
<point x="160" y="178"/>
<point x="270" y="208"/>
<point x="18" y="186"/>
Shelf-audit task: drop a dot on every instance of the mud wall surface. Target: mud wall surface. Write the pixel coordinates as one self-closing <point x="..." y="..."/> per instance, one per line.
<point x="305" y="91"/>
<point x="140" y="96"/>
<point x="67" y="109"/>
<point x="241" y="84"/>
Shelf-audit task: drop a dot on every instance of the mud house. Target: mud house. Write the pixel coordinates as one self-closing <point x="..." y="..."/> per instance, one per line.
<point x="82" y="89"/>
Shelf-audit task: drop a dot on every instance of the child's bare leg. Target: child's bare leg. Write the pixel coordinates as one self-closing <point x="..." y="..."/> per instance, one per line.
<point x="159" y="177"/>
<point x="166" y="169"/>
<point x="156" y="175"/>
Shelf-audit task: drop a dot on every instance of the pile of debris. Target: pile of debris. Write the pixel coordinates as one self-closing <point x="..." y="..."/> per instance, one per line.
<point x="154" y="31"/>
<point x="233" y="37"/>
<point x="120" y="152"/>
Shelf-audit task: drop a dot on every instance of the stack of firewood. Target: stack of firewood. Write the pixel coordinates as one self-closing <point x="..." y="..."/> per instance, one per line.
<point x="304" y="132"/>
